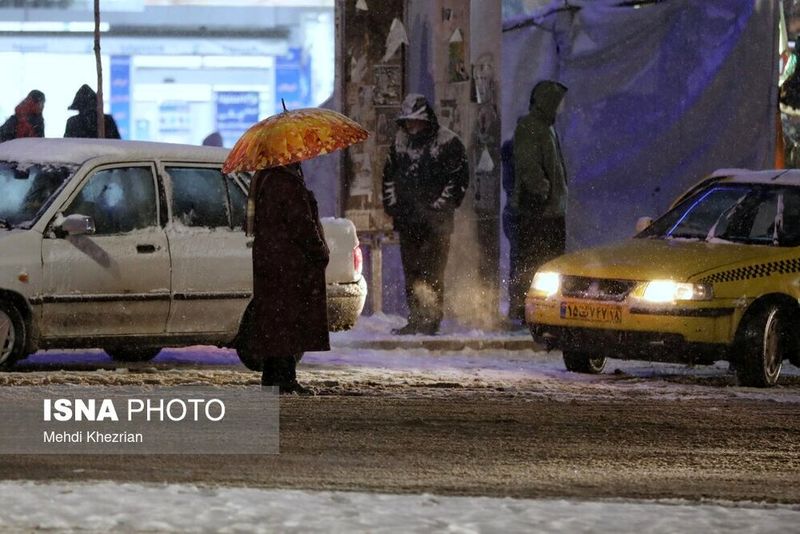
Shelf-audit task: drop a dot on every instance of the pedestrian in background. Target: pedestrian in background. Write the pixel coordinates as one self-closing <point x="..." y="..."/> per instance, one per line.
<point x="425" y="178"/>
<point x="539" y="198"/>
<point x="213" y="139"/>
<point x="27" y="120"/>
<point x="84" y="124"/>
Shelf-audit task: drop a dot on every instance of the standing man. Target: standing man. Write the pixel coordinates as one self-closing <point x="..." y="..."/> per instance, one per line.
<point x="84" y="124"/>
<point x="540" y="188"/>
<point x="424" y="180"/>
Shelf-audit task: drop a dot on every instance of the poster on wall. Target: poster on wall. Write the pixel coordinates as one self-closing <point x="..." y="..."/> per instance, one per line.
<point x="385" y="124"/>
<point x="121" y="94"/>
<point x="457" y="57"/>
<point x="174" y="122"/>
<point x="292" y="80"/>
<point x="373" y="83"/>
<point x="388" y="85"/>
<point x="236" y="111"/>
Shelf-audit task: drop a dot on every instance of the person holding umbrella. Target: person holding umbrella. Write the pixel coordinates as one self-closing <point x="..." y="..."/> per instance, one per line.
<point x="289" y="251"/>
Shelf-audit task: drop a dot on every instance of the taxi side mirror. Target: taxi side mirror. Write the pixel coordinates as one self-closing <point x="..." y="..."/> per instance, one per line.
<point x="642" y="223"/>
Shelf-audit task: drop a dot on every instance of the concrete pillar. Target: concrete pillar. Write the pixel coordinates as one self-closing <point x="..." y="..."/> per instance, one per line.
<point x="369" y="79"/>
<point x="484" y="148"/>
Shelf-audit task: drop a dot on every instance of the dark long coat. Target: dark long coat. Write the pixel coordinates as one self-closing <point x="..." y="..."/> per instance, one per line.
<point x="84" y="124"/>
<point x="289" y="260"/>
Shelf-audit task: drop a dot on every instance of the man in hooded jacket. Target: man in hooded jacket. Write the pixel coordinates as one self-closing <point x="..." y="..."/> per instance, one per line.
<point x="540" y="188"/>
<point x="84" y="124"/>
<point x="424" y="180"/>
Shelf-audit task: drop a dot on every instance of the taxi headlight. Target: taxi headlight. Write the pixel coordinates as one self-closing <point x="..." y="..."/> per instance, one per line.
<point x="666" y="291"/>
<point x="546" y="283"/>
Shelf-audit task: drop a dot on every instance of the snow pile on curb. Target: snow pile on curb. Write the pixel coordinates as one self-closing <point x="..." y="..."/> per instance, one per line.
<point x="108" y="507"/>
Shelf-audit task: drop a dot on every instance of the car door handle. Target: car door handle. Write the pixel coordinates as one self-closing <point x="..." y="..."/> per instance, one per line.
<point x="249" y="244"/>
<point x="145" y="249"/>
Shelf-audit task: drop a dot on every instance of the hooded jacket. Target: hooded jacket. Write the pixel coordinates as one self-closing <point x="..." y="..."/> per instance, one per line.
<point x="425" y="176"/>
<point x="540" y="178"/>
<point x="84" y="124"/>
<point x="27" y="120"/>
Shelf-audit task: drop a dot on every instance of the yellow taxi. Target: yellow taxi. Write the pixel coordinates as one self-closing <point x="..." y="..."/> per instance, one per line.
<point x="715" y="278"/>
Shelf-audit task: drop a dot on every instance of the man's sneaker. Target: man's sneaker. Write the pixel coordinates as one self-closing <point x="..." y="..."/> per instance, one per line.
<point x="407" y="330"/>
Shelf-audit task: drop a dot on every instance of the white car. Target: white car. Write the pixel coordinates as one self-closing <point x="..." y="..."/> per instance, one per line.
<point x="132" y="246"/>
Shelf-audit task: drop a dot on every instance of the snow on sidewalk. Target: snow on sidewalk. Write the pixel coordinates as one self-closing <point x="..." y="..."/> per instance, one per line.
<point x="107" y="507"/>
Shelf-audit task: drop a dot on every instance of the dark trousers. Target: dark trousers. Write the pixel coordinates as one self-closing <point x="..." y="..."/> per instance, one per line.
<point x="424" y="257"/>
<point x="538" y="241"/>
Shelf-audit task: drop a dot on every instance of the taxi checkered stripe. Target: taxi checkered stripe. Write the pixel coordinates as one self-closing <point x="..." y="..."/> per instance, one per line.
<point x="754" y="271"/>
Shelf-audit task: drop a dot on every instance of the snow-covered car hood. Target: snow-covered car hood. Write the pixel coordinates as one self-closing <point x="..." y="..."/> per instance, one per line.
<point x="647" y="259"/>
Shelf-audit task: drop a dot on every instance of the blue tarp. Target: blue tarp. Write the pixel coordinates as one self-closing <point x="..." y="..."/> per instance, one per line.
<point x="659" y="95"/>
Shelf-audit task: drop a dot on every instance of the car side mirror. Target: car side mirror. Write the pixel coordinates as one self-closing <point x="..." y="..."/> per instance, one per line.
<point x="75" y="224"/>
<point x="642" y="223"/>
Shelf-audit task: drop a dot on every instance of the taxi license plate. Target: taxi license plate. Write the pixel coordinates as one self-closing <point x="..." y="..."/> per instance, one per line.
<point x="600" y="313"/>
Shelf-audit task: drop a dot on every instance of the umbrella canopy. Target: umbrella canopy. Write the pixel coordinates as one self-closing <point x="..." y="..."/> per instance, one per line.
<point x="292" y="136"/>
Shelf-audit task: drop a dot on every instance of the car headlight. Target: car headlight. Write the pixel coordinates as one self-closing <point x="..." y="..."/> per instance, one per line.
<point x="666" y="291"/>
<point x="546" y="283"/>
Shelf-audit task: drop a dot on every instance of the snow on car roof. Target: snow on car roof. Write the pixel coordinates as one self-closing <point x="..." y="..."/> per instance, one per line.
<point x="781" y="176"/>
<point x="78" y="151"/>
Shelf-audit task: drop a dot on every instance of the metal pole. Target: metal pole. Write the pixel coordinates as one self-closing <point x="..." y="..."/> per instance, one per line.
<point x="101" y="122"/>
<point x="376" y="273"/>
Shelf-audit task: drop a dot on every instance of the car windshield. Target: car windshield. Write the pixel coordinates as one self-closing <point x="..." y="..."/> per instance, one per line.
<point x="27" y="190"/>
<point x="756" y="214"/>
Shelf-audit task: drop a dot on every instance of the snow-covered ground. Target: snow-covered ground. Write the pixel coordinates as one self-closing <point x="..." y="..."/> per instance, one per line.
<point x="406" y="371"/>
<point x="109" y="507"/>
<point x="409" y="370"/>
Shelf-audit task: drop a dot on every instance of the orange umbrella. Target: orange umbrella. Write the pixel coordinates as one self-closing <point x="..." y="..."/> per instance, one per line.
<point x="292" y="136"/>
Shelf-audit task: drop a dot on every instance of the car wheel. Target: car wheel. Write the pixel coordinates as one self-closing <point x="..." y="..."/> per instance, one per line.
<point x="12" y="335"/>
<point x="584" y="362"/>
<point x="761" y="348"/>
<point x="140" y="354"/>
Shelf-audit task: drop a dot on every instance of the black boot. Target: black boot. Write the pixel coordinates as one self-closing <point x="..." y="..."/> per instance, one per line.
<point x="271" y="372"/>
<point x="281" y="373"/>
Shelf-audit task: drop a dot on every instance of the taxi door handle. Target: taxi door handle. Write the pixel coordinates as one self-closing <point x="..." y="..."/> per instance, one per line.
<point x="145" y="249"/>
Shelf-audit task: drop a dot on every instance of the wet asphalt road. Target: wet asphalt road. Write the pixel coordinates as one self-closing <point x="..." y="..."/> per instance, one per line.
<point x="546" y="434"/>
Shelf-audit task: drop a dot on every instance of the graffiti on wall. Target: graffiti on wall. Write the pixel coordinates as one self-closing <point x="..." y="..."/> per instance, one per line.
<point x="374" y="79"/>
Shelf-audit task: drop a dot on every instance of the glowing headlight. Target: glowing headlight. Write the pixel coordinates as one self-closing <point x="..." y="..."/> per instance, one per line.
<point x="547" y="283"/>
<point x="663" y="291"/>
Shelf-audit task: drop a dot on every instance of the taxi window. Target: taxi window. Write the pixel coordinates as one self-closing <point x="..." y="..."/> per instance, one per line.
<point x="757" y="214"/>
